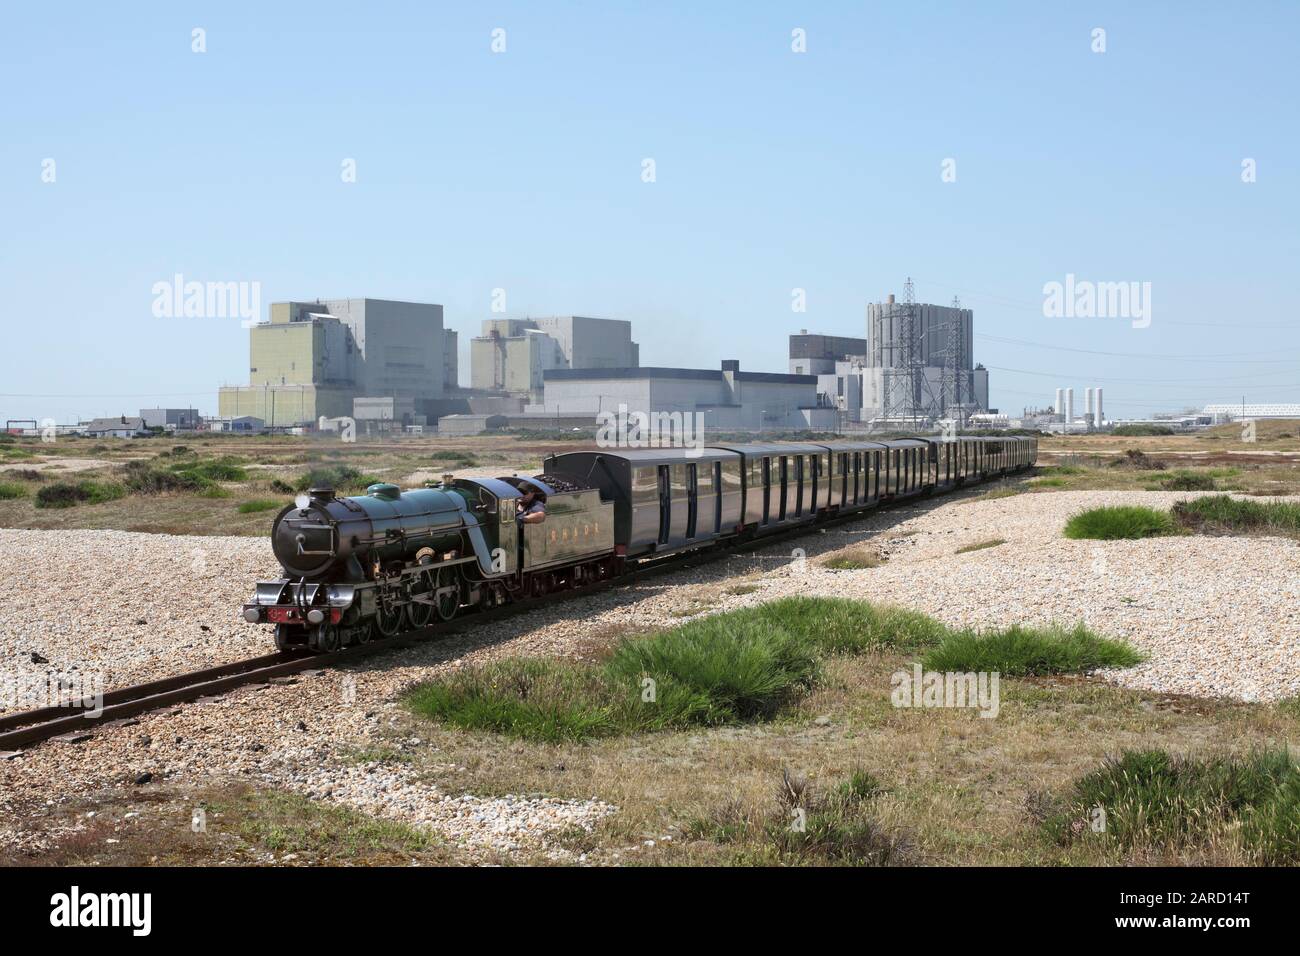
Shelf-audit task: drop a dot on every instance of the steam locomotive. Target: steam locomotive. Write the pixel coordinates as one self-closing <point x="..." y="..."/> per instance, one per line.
<point x="374" y="565"/>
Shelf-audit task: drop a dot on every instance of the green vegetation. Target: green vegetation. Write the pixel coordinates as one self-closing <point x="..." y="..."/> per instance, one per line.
<point x="1141" y="431"/>
<point x="12" y="489"/>
<point x="262" y="504"/>
<point x="1184" y="480"/>
<point x="66" y="494"/>
<point x="1155" y="800"/>
<point x="342" y="478"/>
<point x="835" y="827"/>
<point x="1119" y="522"/>
<point x="1222" y="514"/>
<point x="981" y="545"/>
<point x="739" y="666"/>
<point x="455" y="458"/>
<point x="287" y="822"/>
<point x="1021" y="652"/>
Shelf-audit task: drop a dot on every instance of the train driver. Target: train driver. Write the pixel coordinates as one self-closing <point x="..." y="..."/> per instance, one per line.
<point x="531" y="508"/>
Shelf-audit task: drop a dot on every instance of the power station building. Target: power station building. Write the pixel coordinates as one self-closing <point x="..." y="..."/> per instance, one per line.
<point x="513" y="355"/>
<point x="927" y="375"/>
<point x="317" y="359"/>
<point x="915" y="366"/>
<point x="727" y="398"/>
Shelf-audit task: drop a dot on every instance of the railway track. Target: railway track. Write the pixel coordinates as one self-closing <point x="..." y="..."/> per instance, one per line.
<point x="74" y="723"/>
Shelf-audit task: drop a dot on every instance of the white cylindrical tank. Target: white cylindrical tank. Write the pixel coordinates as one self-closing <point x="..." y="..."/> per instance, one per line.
<point x="1069" y="405"/>
<point x="1096" y="398"/>
<point x="1060" y="401"/>
<point x="1087" y="402"/>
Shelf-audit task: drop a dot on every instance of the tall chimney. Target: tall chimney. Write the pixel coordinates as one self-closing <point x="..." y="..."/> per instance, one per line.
<point x="1087" y="401"/>
<point x="1069" y="405"/>
<point x="1060" y="401"/>
<point x="1096" y="398"/>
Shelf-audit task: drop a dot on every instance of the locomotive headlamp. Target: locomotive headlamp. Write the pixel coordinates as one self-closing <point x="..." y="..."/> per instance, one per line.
<point x="303" y="502"/>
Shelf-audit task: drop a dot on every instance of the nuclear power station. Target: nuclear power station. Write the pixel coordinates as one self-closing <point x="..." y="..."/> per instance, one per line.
<point x="914" y="368"/>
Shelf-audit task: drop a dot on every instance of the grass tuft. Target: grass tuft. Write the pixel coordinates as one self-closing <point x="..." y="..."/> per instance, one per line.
<point x="808" y="827"/>
<point x="1223" y="514"/>
<point x="12" y="489"/>
<point x="261" y="504"/>
<point x="1023" y="651"/>
<point x="1152" y="799"/>
<point x="1120" y="522"/>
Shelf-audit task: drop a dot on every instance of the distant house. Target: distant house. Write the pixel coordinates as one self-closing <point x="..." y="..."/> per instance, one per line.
<point x="121" y="427"/>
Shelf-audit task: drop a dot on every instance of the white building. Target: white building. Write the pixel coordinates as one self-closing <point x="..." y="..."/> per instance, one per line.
<point x="727" y="398"/>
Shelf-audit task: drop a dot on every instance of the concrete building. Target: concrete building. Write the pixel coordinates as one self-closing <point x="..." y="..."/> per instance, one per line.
<point x="943" y="335"/>
<point x="513" y="355"/>
<point x="728" y="398"/>
<point x="313" y="359"/>
<point x="240" y="425"/>
<point x="1228" y="412"/>
<point x="170" y="419"/>
<point x="818" y="354"/>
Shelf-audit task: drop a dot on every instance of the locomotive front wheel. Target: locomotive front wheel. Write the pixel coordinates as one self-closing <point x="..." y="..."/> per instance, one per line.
<point x="325" y="638"/>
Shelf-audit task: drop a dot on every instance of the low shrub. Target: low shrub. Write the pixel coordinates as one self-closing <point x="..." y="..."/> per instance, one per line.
<point x="67" y="494"/>
<point x="1184" y="480"/>
<point x="262" y="504"/>
<point x="1141" y="431"/>
<point x="342" y="478"/>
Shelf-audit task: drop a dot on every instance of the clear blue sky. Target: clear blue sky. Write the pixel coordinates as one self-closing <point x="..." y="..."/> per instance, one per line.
<point x="775" y="170"/>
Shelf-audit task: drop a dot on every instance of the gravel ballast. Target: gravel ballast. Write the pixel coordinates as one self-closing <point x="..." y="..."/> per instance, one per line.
<point x="1218" y="617"/>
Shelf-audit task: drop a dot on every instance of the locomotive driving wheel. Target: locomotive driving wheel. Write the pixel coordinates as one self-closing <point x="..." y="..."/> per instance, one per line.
<point x="448" y="602"/>
<point x="418" y="613"/>
<point x="388" y="619"/>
